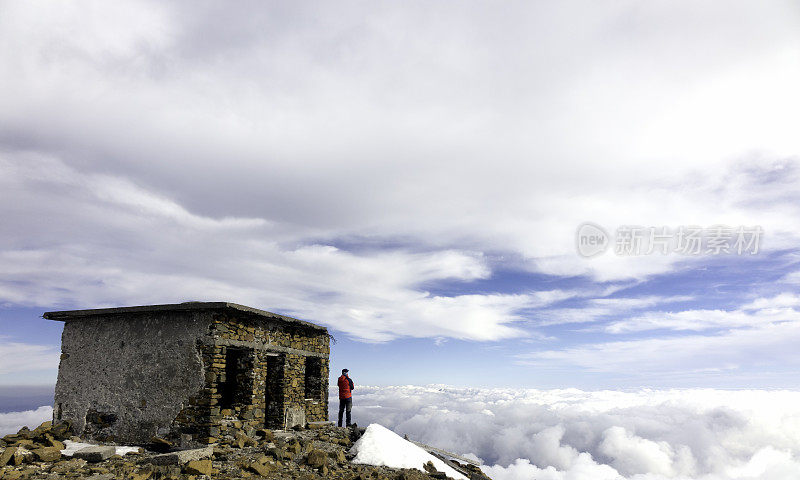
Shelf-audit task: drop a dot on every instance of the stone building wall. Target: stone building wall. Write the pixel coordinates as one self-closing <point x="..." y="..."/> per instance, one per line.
<point x="126" y="377"/>
<point x="189" y="376"/>
<point x="270" y="387"/>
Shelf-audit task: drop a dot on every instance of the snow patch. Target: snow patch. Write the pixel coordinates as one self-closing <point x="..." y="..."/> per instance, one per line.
<point x="380" y="446"/>
<point x="72" y="447"/>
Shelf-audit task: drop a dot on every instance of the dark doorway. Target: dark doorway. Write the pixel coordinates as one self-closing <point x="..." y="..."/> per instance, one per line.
<point x="273" y="391"/>
<point x="313" y="378"/>
<point x="237" y="386"/>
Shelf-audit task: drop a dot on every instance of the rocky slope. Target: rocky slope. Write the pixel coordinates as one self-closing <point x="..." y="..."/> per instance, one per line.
<point x="315" y="452"/>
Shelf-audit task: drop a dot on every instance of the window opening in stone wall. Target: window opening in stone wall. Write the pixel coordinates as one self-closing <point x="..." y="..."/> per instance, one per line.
<point x="273" y="391"/>
<point x="237" y="384"/>
<point x="313" y="379"/>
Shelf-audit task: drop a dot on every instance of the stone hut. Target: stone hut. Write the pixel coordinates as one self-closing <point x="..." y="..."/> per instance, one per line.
<point x="188" y="372"/>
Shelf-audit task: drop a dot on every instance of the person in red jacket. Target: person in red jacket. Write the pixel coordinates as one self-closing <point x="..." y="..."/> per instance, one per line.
<point x="346" y="388"/>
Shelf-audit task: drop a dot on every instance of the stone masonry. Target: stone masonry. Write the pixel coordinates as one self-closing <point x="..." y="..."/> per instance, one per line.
<point x="189" y="373"/>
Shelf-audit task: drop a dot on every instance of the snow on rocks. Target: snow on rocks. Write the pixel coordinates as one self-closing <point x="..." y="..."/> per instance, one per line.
<point x="72" y="447"/>
<point x="380" y="446"/>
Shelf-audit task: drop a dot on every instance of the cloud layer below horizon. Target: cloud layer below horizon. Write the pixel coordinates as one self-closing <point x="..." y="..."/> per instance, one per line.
<point x="571" y="434"/>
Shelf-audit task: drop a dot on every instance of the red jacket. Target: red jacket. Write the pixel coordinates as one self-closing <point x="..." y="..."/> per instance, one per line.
<point x="346" y="387"/>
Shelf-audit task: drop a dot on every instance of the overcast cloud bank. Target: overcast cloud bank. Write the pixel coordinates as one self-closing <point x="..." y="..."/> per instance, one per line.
<point x="385" y="169"/>
<point x="332" y="162"/>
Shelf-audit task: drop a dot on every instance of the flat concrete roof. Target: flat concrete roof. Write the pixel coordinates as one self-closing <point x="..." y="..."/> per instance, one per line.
<point x="174" y="307"/>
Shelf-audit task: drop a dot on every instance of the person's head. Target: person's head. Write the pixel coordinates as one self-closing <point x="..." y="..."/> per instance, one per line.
<point x="344" y="371"/>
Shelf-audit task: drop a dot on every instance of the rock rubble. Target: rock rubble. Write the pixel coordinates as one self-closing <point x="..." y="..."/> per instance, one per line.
<point x="316" y="452"/>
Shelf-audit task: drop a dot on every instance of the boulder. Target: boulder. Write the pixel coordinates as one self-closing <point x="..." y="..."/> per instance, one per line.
<point x="242" y="440"/>
<point x="68" y="466"/>
<point x="43" y="428"/>
<point x="317" y="458"/>
<point x="266" y="435"/>
<point x="22" y="455"/>
<point x="338" y="456"/>
<point x="7" y="455"/>
<point x="47" y="454"/>
<point x="159" y="444"/>
<point x="260" y="468"/>
<point x="307" y="445"/>
<point x="140" y="476"/>
<point x="278" y="453"/>
<point x="96" y="453"/>
<point x="198" y="467"/>
<point x="294" y="447"/>
<point x="49" y="441"/>
<point x="61" y="430"/>
<point x="12" y="475"/>
<point x="182" y="456"/>
<point x="220" y="453"/>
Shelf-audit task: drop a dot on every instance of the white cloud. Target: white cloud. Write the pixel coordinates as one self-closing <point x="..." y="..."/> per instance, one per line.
<point x="698" y="320"/>
<point x="24" y="357"/>
<point x="631" y="454"/>
<point x="698" y="434"/>
<point x="584" y="468"/>
<point x="754" y="340"/>
<point x="793" y="277"/>
<point x="136" y="247"/>
<point x="165" y="152"/>
<point x="779" y="302"/>
<point x="459" y="135"/>
<point x="11" y="422"/>
<point x="596" y="309"/>
<point x="762" y="351"/>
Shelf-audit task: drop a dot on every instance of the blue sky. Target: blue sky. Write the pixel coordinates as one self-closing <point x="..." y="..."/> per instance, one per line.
<point x="714" y="285"/>
<point x="413" y="184"/>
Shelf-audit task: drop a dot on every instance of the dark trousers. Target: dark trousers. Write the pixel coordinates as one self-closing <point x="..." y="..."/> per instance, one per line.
<point x="345" y="404"/>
